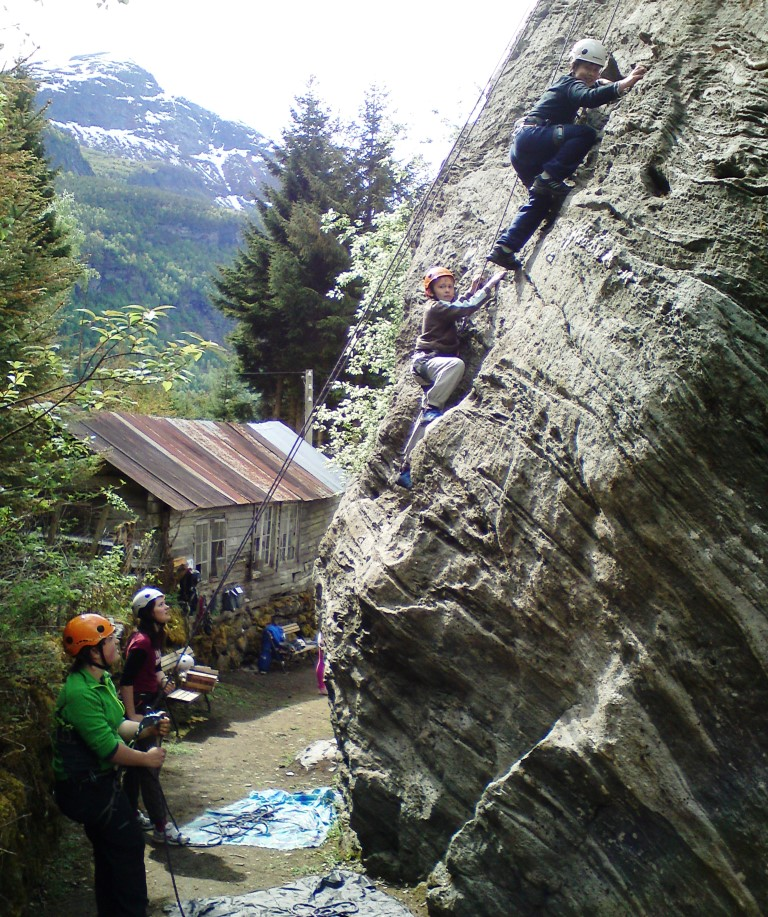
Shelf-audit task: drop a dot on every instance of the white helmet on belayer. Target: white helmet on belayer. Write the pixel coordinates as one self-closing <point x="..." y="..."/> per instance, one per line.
<point x="143" y="597"/>
<point x="590" y="50"/>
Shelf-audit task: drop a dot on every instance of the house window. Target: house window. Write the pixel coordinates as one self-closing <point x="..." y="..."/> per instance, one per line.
<point x="218" y="547"/>
<point x="263" y="552"/>
<point x="277" y="536"/>
<point x="289" y="531"/>
<point x="210" y="548"/>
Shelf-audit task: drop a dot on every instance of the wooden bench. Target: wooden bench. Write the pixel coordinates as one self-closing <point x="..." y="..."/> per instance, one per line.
<point x="191" y="685"/>
<point x="292" y="652"/>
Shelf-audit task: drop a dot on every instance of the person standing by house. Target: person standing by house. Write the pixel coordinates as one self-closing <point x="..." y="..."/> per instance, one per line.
<point x="141" y="684"/>
<point x="435" y="359"/>
<point x="547" y="147"/>
<point x="89" y="745"/>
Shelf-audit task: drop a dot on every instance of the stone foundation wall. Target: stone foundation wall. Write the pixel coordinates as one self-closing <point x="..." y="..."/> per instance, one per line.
<point x="236" y="636"/>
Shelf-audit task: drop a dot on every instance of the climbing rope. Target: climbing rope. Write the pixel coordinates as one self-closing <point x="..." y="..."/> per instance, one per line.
<point x="232" y="827"/>
<point x="415" y="226"/>
<point x="240" y="825"/>
<point x="339" y="909"/>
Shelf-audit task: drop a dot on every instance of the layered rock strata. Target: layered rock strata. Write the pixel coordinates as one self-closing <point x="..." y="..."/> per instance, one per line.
<point x="549" y="659"/>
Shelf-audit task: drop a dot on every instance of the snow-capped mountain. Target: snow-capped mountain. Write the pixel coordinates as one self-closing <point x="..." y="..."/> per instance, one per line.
<point x="118" y="108"/>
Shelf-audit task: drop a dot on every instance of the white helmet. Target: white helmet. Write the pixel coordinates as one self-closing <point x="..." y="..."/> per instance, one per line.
<point x="185" y="663"/>
<point x="143" y="597"/>
<point x="590" y="50"/>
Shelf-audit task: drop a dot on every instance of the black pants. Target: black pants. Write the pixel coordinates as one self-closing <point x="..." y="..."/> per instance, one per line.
<point x="535" y="150"/>
<point x="146" y="779"/>
<point x="110" y="825"/>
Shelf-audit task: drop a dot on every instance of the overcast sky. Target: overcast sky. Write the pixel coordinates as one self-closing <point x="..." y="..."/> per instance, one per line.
<point x="247" y="61"/>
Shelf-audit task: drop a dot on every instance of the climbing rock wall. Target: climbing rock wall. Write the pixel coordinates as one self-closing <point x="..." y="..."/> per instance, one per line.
<point x="549" y="659"/>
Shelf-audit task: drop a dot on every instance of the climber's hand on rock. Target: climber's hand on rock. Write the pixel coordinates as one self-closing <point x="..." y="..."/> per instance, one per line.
<point x="477" y="282"/>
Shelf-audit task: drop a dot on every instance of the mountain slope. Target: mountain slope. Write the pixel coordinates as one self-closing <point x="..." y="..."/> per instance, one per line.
<point x="119" y="109"/>
<point x="160" y="188"/>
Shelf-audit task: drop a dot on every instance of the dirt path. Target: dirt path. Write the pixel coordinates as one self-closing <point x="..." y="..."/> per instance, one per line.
<point x="258" y="725"/>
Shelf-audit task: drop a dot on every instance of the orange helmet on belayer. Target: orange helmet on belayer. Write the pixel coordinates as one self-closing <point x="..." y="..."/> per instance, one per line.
<point x="85" y="630"/>
<point x="432" y="275"/>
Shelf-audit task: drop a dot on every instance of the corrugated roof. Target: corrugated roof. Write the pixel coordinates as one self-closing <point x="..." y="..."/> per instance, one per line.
<point x="195" y="464"/>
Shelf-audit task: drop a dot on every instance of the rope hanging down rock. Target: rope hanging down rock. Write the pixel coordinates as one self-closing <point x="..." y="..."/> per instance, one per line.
<point x="414" y="228"/>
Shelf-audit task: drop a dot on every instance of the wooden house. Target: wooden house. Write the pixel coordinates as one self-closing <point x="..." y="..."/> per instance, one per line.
<point x="192" y="489"/>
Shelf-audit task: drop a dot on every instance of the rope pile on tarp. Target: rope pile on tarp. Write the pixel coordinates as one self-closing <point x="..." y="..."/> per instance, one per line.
<point x="269" y="818"/>
<point x="339" y="894"/>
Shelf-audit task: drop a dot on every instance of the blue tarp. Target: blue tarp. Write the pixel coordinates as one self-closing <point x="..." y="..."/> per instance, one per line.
<point x="271" y="818"/>
<point x="339" y="894"/>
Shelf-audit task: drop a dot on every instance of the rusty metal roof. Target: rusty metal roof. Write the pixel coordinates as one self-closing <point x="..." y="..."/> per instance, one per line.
<point x="195" y="464"/>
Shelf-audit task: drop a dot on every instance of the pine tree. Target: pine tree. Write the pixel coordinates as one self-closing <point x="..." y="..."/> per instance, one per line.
<point x="37" y="271"/>
<point x="378" y="182"/>
<point x="281" y="287"/>
<point x="277" y="287"/>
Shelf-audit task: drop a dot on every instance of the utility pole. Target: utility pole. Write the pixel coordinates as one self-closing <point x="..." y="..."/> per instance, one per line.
<point x="308" y="402"/>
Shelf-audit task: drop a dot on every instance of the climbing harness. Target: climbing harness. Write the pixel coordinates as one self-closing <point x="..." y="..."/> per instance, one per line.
<point x="592" y="52"/>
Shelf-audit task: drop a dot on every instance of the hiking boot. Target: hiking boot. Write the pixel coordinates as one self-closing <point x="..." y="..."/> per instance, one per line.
<point x="404" y="479"/>
<point x="431" y="414"/>
<point x="170" y="835"/>
<point x="145" y="823"/>
<point x="550" y="187"/>
<point x="504" y="257"/>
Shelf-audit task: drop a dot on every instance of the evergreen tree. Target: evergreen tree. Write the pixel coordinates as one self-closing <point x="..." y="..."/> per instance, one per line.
<point x="281" y="287"/>
<point x="37" y="271"/>
<point x="378" y="182"/>
<point x="277" y="286"/>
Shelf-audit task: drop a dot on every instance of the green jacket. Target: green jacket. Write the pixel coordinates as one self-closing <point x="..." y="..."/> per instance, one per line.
<point x="87" y="715"/>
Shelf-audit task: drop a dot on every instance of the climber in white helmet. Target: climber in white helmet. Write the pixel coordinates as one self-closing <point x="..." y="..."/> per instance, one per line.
<point x="548" y="147"/>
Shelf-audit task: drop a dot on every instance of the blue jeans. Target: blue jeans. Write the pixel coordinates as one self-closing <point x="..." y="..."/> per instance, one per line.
<point x="556" y="149"/>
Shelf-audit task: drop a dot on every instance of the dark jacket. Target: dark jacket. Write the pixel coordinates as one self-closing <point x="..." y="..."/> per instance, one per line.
<point x="561" y="102"/>
<point x="439" y="332"/>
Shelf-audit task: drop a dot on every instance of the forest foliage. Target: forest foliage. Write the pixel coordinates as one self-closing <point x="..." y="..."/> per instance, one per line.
<point x="49" y="368"/>
<point x="282" y="288"/>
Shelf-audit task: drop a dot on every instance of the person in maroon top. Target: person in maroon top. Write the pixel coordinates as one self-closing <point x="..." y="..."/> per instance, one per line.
<point x="141" y="684"/>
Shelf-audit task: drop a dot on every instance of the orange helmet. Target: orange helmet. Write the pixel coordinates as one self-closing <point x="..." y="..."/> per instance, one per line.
<point x="85" y="630"/>
<point x="432" y="274"/>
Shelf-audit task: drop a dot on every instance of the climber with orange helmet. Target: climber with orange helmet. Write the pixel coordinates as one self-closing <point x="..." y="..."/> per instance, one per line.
<point x="90" y="735"/>
<point x="435" y="360"/>
<point x="548" y="147"/>
<point x="141" y="685"/>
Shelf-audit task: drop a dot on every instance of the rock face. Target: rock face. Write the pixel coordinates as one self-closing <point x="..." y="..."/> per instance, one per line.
<point x="549" y="660"/>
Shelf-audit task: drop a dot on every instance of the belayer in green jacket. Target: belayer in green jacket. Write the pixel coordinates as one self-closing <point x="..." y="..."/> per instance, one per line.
<point x="89" y="745"/>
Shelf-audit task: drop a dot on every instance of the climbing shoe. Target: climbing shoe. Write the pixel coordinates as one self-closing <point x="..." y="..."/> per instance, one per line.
<point x="550" y="187"/>
<point x="404" y="479"/>
<point x="431" y="414"/>
<point x="504" y="257"/>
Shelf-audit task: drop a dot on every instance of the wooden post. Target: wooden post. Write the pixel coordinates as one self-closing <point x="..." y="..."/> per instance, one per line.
<point x="308" y="401"/>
